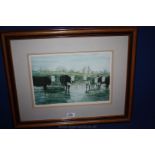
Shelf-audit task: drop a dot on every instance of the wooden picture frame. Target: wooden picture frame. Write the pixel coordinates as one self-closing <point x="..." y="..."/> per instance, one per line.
<point x="20" y="53"/>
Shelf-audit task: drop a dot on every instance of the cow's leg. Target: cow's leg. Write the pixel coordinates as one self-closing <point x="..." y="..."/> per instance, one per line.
<point x="89" y="87"/>
<point x="68" y="87"/>
<point x="93" y="86"/>
<point x="65" y="88"/>
<point x="96" y="86"/>
<point x="45" y="87"/>
<point x="99" y="86"/>
<point x="86" y="88"/>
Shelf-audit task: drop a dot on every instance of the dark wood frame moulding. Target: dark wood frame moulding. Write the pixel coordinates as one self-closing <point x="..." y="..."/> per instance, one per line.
<point x="70" y="32"/>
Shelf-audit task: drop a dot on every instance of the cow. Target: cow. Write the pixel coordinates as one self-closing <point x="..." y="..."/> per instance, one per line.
<point x="88" y="86"/>
<point x="66" y="82"/>
<point x="90" y="83"/>
<point x="102" y="80"/>
<point x="42" y="81"/>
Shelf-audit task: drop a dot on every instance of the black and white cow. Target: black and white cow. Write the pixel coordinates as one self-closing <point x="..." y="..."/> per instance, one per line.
<point x="66" y="82"/>
<point x="90" y="83"/>
<point x="103" y="80"/>
<point x="42" y="81"/>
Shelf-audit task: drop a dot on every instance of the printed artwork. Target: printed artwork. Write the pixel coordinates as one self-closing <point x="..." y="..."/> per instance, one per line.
<point x="71" y="78"/>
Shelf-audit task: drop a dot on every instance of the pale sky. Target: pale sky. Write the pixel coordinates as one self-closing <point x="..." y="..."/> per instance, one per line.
<point x="97" y="61"/>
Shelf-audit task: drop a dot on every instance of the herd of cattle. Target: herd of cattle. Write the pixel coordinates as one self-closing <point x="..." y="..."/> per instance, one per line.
<point x="66" y="81"/>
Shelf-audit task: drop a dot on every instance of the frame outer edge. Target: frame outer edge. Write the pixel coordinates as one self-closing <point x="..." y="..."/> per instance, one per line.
<point x="8" y="76"/>
<point x="7" y="35"/>
<point x="132" y="77"/>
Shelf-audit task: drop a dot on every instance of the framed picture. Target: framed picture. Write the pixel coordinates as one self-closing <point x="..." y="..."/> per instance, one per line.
<point x="70" y="76"/>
